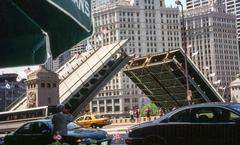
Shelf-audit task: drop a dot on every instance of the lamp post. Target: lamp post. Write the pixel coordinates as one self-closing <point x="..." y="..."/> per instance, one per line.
<point x="184" y="45"/>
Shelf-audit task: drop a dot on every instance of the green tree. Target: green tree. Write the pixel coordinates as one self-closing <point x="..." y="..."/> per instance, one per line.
<point x="154" y="109"/>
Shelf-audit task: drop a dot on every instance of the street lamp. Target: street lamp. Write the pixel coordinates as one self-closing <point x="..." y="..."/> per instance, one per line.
<point x="184" y="45"/>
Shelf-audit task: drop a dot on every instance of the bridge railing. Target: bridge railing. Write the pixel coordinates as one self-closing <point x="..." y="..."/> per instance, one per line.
<point x="129" y="121"/>
<point x="15" y="102"/>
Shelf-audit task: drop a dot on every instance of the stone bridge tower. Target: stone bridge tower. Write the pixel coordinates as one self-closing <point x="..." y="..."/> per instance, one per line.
<point x="42" y="88"/>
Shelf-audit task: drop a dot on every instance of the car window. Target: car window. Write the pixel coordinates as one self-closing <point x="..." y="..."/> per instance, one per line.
<point x="202" y="115"/>
<point x="25" y="129"/>
<point x="182" y="116"/>
<point x="72" y="126"/>
<point x="97" y="116"/>
<point x="39" y="127"/>
<point x="80" y="118"/>
<point x="212" y="115"/>
<point x="88" y="118"/>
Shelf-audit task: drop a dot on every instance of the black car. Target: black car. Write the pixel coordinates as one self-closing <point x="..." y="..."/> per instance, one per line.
<point x="202" y="124"/>
<point x="40" y="133"/>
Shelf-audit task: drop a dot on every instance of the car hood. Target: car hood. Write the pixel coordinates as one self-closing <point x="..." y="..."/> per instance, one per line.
<point x="88" y="133"/>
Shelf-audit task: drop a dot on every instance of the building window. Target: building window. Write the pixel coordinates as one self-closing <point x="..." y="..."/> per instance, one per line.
<point x="109" y="108"/>
<point x="43" y="85"/>
<point x="94" y="102"/>
<point x="102" y="109"/>
<point x="116" y="101"/>
<point x="135" y="100"/>
<point x="126" y="108"/>
<point x="127" y="100"/>
<point x="94" y="109"/>
<point x="109" y="101"/>
<point x="48" y="85"/>
<point x="116" y="108"/>
<point x="101" y="102"/>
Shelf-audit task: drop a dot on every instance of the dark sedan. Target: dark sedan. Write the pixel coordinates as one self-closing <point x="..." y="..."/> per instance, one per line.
<point x="202" y="124"/>
<point x="40" y="133"/>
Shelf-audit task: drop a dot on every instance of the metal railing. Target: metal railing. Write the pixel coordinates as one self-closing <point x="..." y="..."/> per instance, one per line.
<point x="15" y="102"/>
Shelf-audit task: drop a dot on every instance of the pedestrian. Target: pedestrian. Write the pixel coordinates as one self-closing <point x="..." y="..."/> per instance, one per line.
<point x="131" y="115"/>
<point x="148" y="112"/>
<point x="161" y="111"/>
<point x="137" y="113"/>
<point x="67" y="113"/>
<point x="60" y="121"/>
<point x="174" y="108"/>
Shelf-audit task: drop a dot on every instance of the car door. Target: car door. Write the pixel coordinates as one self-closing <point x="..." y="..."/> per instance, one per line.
<point x="214" y="125"/>
<point x="41" y="134"/>
<point x="88" y="121"/>
<point x="226" y="126"/>
<point x="203" y="125"/>
<point x="22" y="135"/>
<point x="178" y="130"/>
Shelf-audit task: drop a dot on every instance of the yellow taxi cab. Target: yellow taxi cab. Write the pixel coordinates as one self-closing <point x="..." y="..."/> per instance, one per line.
<point x="93" y="121"/>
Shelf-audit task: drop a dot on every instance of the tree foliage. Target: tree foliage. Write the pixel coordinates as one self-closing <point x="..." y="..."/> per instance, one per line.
<point x="154" y="109"/>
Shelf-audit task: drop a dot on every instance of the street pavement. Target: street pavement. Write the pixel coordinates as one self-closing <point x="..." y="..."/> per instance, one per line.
<point x="118" y="132"/>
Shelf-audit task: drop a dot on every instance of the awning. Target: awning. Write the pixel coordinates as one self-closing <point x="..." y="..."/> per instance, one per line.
<point x="27" y="25"/>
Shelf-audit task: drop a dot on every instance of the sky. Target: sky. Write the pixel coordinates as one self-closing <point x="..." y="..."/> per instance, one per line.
<point x="172" y="3"/>
<point x="19" y="70"/>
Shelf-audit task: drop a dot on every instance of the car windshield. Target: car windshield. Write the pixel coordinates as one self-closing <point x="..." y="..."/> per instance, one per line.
<point x="98" y="116"/>
<point x="72" y="126"/>
<point x="235" y="107"/>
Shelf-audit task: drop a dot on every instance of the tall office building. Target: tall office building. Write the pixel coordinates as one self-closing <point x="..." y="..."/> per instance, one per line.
<point x="192" y="4"/>
<point x="212" y="43"/>
<point x="233" y="6"/>
<point x="61" y="60"/>
<point x="150" y="27"/>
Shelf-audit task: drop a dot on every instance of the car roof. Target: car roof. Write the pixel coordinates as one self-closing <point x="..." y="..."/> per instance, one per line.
<point x="210" y="104"/>
<point x="42" y="120"/>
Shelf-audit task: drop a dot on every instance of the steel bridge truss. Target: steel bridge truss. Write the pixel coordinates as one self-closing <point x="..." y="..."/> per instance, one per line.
<point x="161" y="77"/>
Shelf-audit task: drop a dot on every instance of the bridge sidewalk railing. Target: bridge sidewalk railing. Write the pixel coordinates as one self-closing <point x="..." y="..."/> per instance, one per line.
<point x="134" y="121"/>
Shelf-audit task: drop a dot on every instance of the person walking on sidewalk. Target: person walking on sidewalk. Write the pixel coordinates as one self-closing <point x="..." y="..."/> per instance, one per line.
<point x="148" y="113"/>
<point x="137" y="113"/>
<point x="131" y="115"/>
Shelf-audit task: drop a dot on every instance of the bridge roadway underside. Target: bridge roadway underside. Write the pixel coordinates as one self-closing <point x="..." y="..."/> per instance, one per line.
<point x="161" y="77"/>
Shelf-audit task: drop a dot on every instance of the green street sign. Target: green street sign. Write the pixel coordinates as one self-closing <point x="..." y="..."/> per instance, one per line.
<point x="79" y="10"/>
